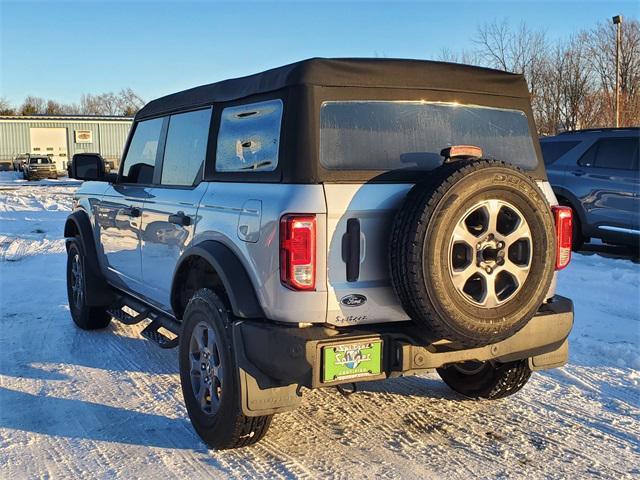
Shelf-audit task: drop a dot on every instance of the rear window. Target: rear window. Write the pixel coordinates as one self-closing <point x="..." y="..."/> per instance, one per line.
<point x="552" y="151"/>
<point x="386" y="135"/>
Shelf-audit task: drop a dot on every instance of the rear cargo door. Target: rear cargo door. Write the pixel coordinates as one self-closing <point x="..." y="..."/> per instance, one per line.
<point x="359" y="220"/>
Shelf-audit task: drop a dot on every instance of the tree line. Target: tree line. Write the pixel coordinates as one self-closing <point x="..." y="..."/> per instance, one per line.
<point x="572" y="81"/>
<point x="126" y="102"/>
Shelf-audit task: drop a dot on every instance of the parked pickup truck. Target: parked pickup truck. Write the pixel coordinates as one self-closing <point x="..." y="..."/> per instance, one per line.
<point x="328" y="222"/>
<point x="38" y="167"/>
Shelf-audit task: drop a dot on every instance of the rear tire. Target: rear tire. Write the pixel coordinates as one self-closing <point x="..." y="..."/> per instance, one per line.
<point x="86" y="317"/>
<point x="209" y="376"/>
<point x="486" y="379"/>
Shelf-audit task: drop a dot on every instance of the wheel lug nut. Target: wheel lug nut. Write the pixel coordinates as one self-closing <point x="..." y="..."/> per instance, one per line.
<point x="489" y="270"/>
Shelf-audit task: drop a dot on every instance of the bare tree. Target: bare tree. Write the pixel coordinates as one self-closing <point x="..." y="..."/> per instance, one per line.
<point x="519" y="50"/>
<point x="129" y="102"/>
<point x="54" y="108"/>
<point x="465" y="57"/>
<point x="32" y="106"/>
<point x="601" y="44"/>
<point x="6" y="108"/>
<point x="126" y="102"/>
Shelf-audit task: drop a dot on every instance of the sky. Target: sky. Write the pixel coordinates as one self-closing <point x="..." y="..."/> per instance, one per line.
<point x="61" y="50"/>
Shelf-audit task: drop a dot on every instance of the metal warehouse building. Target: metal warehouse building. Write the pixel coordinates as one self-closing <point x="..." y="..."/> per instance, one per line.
<point x="62" y="136"/>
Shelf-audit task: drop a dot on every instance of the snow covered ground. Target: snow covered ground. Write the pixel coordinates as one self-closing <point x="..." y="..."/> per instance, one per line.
<point x="77" y="404"/>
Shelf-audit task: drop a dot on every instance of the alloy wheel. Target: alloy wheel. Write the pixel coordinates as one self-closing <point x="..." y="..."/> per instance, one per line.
<point x="490" y="253"/>
<point x="206" y="371"/>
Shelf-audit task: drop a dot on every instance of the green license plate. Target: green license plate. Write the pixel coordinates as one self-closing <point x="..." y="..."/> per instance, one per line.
<point x="351" y="360"/>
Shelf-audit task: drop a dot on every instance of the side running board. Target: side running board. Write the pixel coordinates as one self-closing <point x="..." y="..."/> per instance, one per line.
<point x="157" y="319"/>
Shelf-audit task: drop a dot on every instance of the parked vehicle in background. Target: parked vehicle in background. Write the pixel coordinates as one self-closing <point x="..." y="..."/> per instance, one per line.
<point x="39" y="167"/>
<point x="20" y="161"/>
<point x="596" y="172"/>
<point x="327" y="222"/>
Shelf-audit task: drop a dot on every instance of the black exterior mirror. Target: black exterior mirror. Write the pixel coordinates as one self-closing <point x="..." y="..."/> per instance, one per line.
<point x="87" y="166"/>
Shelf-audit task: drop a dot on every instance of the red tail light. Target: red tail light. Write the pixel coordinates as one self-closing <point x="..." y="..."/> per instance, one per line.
<point x="564" y="235"/>
<point x="298" y="251"/>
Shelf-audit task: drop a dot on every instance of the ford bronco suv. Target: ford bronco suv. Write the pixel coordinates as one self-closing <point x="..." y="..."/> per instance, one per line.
<point x="328" y="222"/>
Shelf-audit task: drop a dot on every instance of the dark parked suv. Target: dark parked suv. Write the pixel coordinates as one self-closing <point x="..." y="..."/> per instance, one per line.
<point x="596" y="173"/>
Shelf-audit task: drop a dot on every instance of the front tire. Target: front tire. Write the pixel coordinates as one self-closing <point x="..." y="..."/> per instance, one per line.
<point x="86" y="317"/>
<point x="486" y="380"/>
<point x="209" y="376"/>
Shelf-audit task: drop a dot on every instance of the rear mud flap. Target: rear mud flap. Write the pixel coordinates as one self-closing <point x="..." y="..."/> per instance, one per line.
<point x="554" y="359"/>
<point x="260" y="394"/>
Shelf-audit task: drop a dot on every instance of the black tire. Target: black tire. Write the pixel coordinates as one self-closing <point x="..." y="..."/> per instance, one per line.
<point x="486" y="379"/>
<point x="226" y="426"/>
<point x="419" y="252"/>
<point x="577" y="238"/>
<point x="86" y="317"/>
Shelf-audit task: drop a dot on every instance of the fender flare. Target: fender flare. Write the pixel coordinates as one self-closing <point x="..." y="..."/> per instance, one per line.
<point x="78" y="226"/>
<point x="232" y="274"/>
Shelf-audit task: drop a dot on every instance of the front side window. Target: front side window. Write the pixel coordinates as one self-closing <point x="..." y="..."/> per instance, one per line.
<point x="249" y="137"/>
<point x="617" y="153"/>
<point x="186" y="147"/>
<point x="399" y="135"/>
<point x="140" y="161"/>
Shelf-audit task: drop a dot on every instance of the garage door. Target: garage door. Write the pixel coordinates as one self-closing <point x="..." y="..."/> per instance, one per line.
<point x="51" y="142"/>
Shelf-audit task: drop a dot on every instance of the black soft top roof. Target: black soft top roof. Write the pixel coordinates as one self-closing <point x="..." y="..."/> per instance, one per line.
<point x="348" y="72"/>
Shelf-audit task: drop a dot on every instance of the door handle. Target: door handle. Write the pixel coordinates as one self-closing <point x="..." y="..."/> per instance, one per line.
<point x="180" y="219"/>
<point x="133" y="212"/>
<point x="578" y="173"/>
<point x="351" y="249"/>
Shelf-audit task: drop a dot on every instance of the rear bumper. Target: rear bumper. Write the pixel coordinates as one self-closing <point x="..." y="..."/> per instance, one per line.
<point x="276" y="360"/>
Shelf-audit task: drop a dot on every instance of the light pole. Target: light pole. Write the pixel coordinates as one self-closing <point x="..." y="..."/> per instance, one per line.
<point x="617" y="21"/>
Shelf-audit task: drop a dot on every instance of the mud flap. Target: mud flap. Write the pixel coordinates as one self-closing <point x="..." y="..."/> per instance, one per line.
<point x="554" y="359"/>
<point x="260" y="394"/>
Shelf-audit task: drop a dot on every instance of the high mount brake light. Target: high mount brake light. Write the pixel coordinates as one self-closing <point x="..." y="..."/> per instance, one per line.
<point x="564" y="235"/>
<point x="298" y="251"/>
<point x="461" y="151"/>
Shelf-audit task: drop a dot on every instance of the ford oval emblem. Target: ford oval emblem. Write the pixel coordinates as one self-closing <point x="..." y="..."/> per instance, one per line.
<point x="353" y="300"/>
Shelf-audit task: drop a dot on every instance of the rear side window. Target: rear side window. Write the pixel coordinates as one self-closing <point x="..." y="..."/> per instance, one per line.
<point x="249" y="137"/>
<point x="388" y="135"/>
<point x="552" y="151"/>
<point x="616" y="153"/>
<point x="186" y="147"/>
<point x="140" y="161"/>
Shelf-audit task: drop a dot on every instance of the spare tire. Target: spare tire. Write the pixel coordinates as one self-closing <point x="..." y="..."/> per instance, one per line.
<point x="472" y="252"/>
